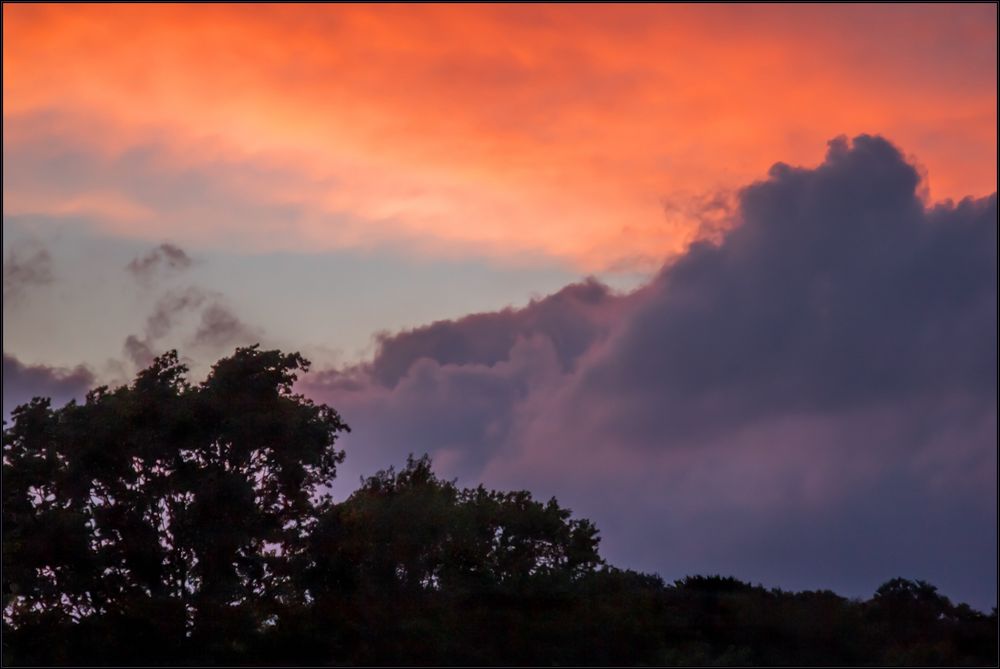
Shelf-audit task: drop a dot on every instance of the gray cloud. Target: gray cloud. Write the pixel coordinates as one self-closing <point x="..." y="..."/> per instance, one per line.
<point x="139" y="351"/>
<point x="23" y="382"/>
<point x="26" y="265"/>
<point x="166" y="256"/>
<point x="573" y="319"/>
<point x="834" y="352"/>
<point x="453" y="385"/>
<point x="170" y="308"/>
<point x="837" y="290"/>
<point x="167" y="312"/>
<point x="218" y="328"/>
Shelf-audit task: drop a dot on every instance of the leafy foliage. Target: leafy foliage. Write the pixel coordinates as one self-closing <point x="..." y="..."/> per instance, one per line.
<point x="169" y="523"/>
<point x="164" y="505"/>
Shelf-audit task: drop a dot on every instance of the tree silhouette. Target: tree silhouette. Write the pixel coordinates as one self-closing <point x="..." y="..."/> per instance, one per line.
<point x="169" y="523"/>
<point x="172" y="509"/>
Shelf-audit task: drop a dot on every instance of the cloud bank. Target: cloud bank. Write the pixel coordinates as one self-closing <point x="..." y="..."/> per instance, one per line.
<point x="574" y="118"/>
<point x="810" y="402"/>
<point x="22" y="382"/>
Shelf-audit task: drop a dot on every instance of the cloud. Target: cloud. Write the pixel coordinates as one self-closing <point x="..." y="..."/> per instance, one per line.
<point x="26" y="265"/>
<point x="580" y="127"/>
<point x="166" y="256"/>
<point x="218" y="327"/>
<point x="837" y="290"/>
<point x="23" y="382"/>
<point x="482" y="365"/>
<point x="573" y="319"/>
<point x="139" y="351"/>
<point x="810" y="401"/>
<point x="167" y="312"/>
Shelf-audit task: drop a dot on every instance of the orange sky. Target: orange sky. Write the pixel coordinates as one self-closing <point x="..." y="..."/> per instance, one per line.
<point x="594" y="135"/>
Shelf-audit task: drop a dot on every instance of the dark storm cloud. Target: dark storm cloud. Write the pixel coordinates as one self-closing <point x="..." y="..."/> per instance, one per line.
<point x="482" y="366"/>
<point x="23" y="382"/>
<point x="834" y="351"/>
<point x="573" y="319"/>
<point x="464" y="413"/>
<point x="837" y="290"/>
<point x="166" y="256"/>
<point x="27" y="264"/>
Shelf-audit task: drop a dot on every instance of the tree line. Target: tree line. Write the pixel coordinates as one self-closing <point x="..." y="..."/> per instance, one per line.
<point x="164" y="522"/>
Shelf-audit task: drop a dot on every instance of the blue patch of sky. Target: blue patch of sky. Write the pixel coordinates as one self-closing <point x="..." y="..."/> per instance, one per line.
<point x="328" y="305"/>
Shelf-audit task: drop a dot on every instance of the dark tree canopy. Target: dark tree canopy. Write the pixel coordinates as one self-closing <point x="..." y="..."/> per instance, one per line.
<point x="174" y="509"/>
<point x="170" y="523"/>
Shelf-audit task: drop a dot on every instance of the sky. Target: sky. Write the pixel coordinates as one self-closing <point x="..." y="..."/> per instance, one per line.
<point x="721" y="278"/>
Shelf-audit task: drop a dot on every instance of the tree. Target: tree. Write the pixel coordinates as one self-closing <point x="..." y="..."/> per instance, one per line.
<point x="425" y="566"/>
<point x="169" y="523"/>
<point x="185" y="507"/>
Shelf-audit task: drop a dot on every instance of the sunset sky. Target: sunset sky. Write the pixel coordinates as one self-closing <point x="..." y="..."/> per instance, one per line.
<point x="721" y="278"/>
